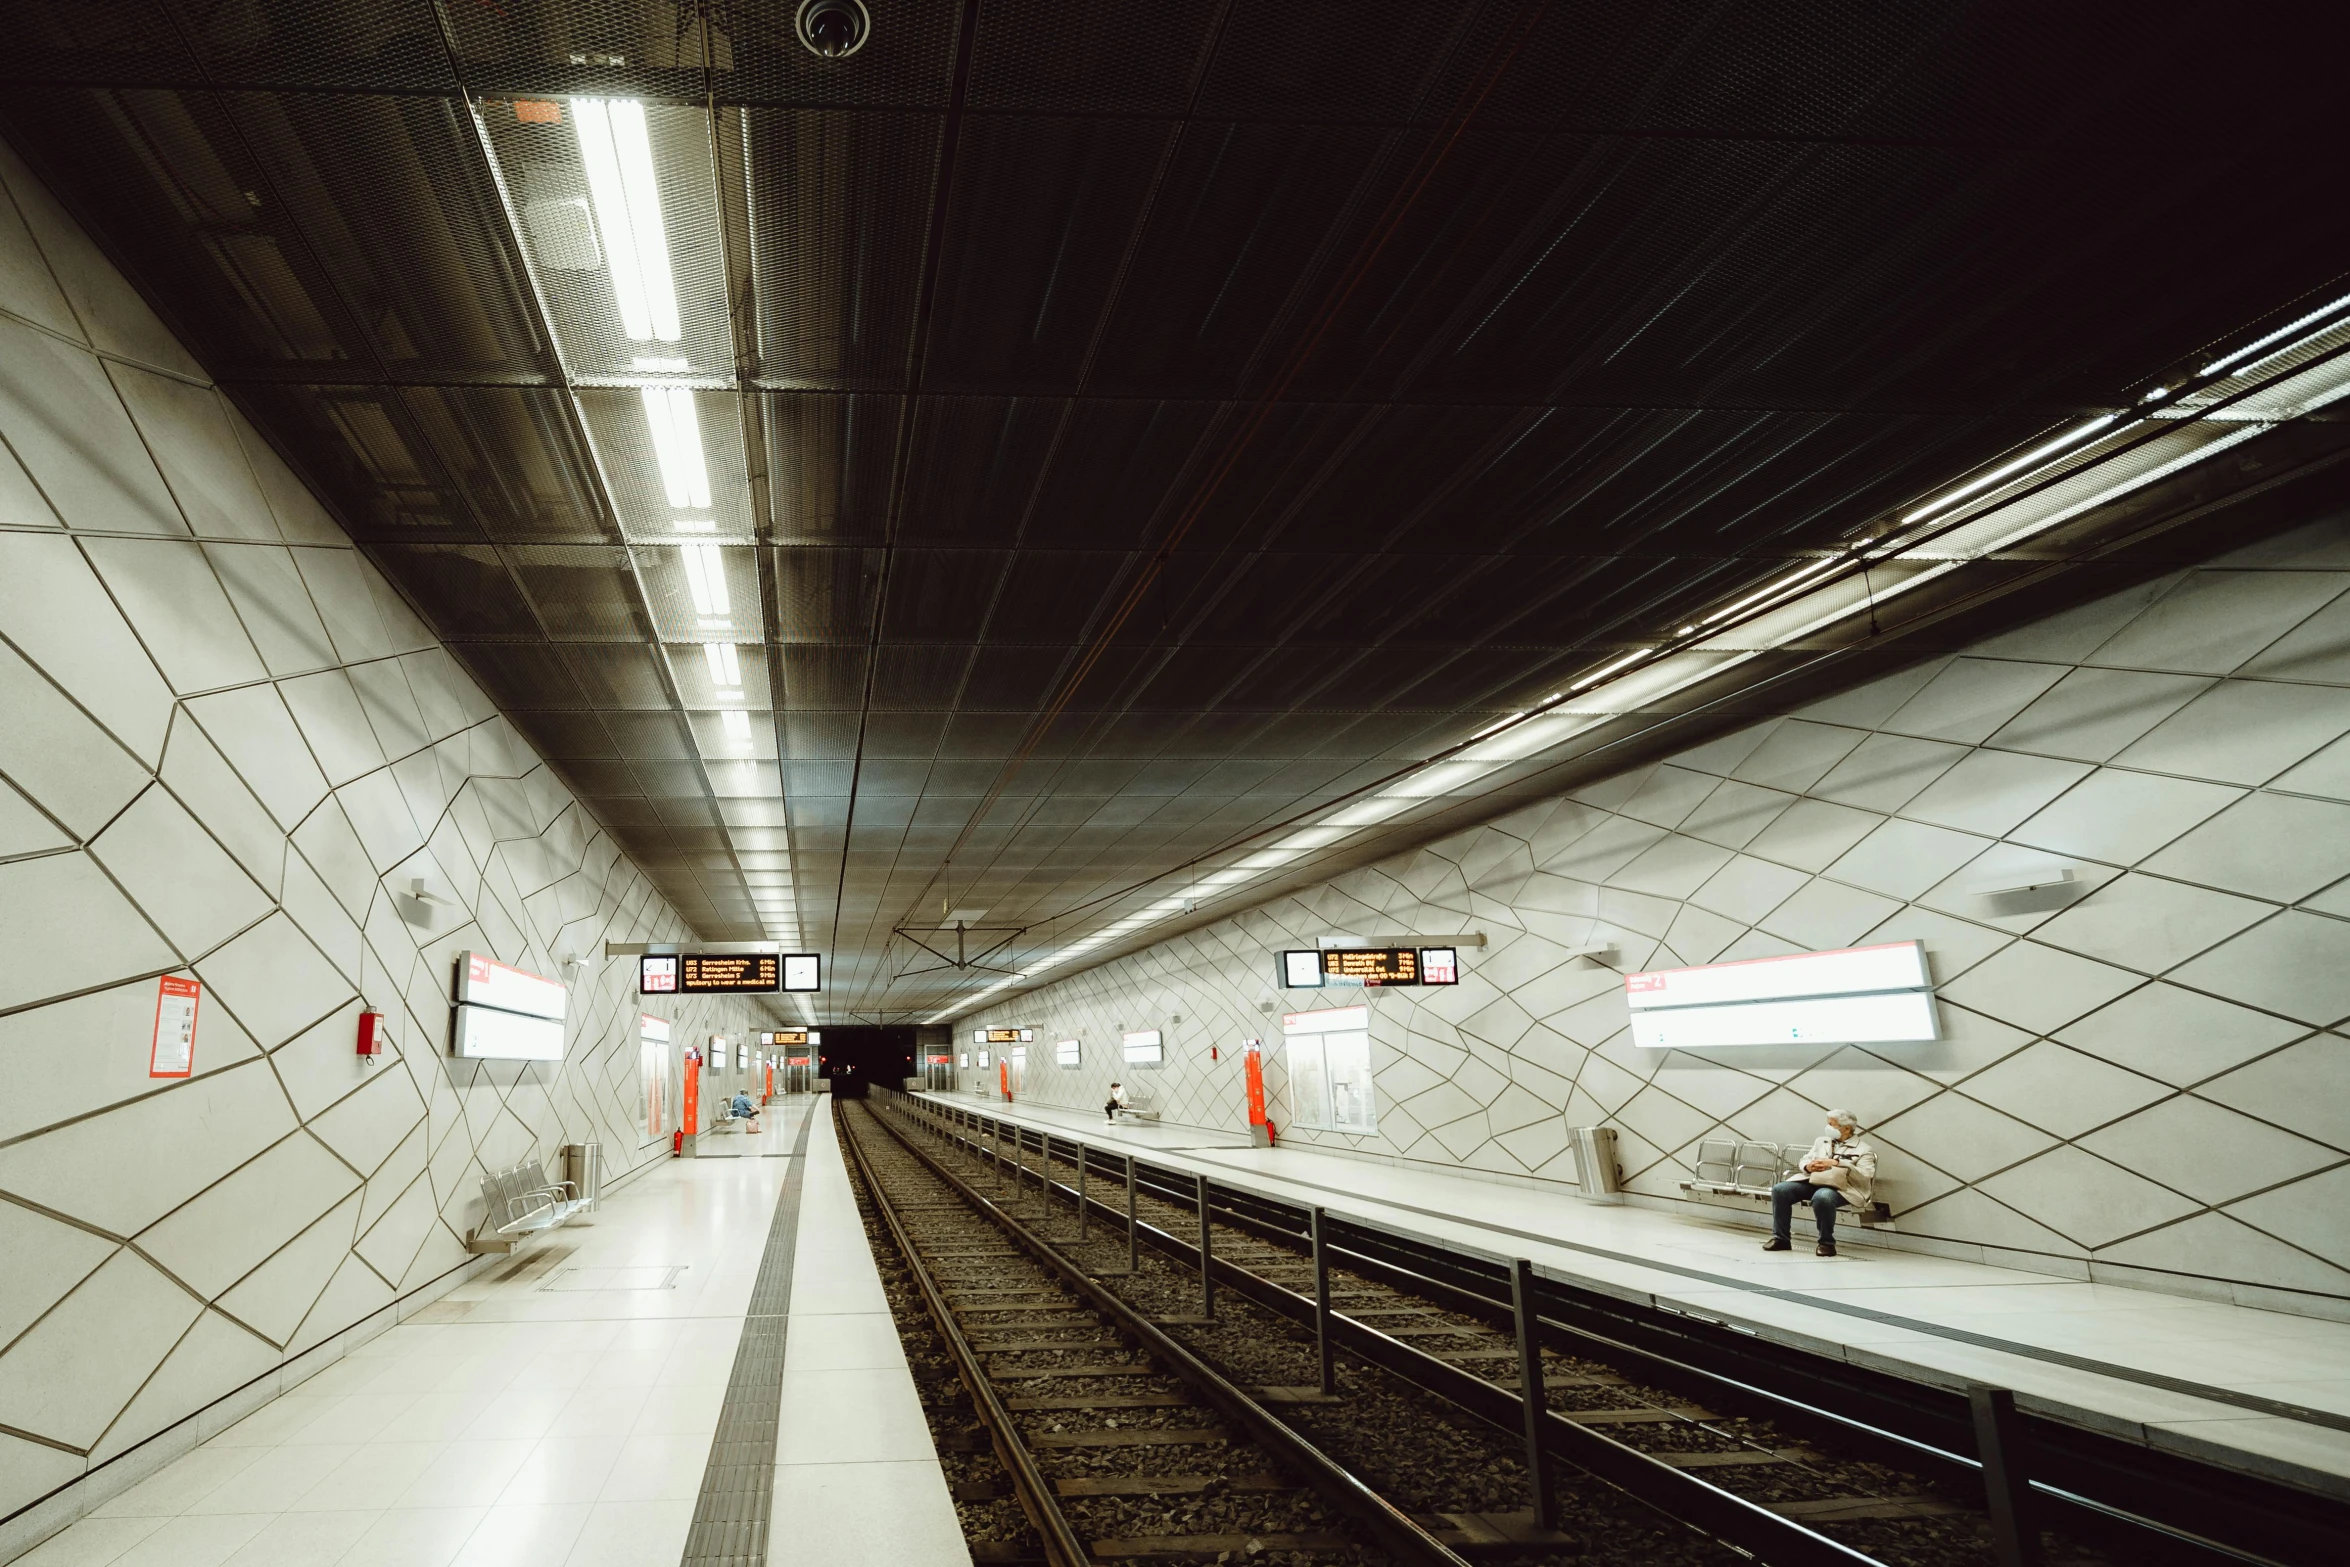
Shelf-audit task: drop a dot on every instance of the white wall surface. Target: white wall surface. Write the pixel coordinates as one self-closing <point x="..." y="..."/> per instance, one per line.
<point x="224" y="744"/>
<point x="2148" y="1083"/>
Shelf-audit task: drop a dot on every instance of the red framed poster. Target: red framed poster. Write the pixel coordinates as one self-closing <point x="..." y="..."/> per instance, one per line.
<point x="172" y="1053"/>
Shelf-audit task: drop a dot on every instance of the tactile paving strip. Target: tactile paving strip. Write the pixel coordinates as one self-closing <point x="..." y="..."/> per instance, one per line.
<point x="738" y="1487"/>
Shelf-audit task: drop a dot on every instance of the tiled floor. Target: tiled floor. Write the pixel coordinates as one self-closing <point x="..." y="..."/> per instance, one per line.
<point x="1930" y="1314"/>
<point x="857" y="1480"/>
<point x="510" y="1424"/>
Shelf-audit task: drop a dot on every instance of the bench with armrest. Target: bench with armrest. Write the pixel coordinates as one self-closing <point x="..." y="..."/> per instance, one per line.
<point x="1741" y="1174"/>
<point x="518" y="1202"/>
<point x="1141" y="1105"/>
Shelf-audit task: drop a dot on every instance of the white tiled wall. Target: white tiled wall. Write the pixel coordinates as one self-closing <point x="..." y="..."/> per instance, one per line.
<point x="224" y="744"/>
<point x="2145" y="1083"/>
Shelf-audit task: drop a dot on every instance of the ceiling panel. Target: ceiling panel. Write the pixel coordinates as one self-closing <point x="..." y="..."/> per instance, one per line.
<point x="1061" y="443"/>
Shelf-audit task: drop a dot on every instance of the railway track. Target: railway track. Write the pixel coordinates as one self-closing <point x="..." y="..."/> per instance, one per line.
<point x="1103" y="1421"/>
<point x="1809" y="1476"/>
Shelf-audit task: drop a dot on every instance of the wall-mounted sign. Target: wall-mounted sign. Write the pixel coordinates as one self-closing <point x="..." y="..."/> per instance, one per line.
<point x="1440" y="966"/>
<point x="1065" y="1054"/>
<point x="1002" y="1036"/>
<point x="1856" y="995"/>
<point x="798" y="1036"/>
<point x="488" y="1034"/>
<point x="1142" y="1048"/>
<point x="654" y="1028"/>
<point x="728" y="973"/>
<point x="483" y="981"/>
<point x="803" y="971"/>
<point x="173" y="1052"/>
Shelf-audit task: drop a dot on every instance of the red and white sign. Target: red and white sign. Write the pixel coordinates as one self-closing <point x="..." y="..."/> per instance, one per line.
<point x="483" y="981"/>
<point x="173" y="1052"/>
<point x="1895" y="965"/>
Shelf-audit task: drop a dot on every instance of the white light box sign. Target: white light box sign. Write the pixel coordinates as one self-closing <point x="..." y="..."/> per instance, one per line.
<point x="487" y="1034"/>
<point x="1858" y="995"/>
<point x="484" y="981"/>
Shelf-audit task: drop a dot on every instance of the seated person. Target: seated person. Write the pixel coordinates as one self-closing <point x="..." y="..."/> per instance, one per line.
<point x="1838" y="1170"/>
<point x="742" y="1109"/>
<point x="1117" y="1101"/>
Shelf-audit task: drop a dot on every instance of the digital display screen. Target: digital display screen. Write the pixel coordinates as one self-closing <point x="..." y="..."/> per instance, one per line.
<point x="656" y="976"/>
<point x="1301" y="970"/>
<point x="728" y="973"/>
<point x="1004" y="1036"/>
<point x="803" y="971"/>
<point x="1371" y="965"/>
<point x="797" y="1036"/>
<point x="1440" y="966"/>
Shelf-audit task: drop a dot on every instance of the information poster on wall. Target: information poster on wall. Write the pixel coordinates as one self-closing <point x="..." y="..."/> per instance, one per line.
<point x="173" y="1052"/>
<point x="1330" y="1069"/>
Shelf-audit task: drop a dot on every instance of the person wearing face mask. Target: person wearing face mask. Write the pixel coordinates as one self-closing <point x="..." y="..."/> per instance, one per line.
<point x="1837" y="1172"/>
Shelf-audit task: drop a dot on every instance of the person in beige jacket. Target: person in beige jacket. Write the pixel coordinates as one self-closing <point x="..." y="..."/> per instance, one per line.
<point x="1839" y="1170"/>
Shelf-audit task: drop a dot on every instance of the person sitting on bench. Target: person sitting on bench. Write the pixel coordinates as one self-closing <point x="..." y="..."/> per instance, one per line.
<point x="1836" y="1173"/>
<point x="1117" y="1102"/>
<point x="742" y="1109"/>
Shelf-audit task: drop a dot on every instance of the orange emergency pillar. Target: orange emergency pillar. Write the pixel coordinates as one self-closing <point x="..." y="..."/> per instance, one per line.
<point x="1003" y="1078"/>
<point x="1252" y="1065"/>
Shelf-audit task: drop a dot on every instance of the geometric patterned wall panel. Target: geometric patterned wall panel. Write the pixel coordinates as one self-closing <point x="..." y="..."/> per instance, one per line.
<point x="2143" y="1075"/>
<point x="229" y="752"/>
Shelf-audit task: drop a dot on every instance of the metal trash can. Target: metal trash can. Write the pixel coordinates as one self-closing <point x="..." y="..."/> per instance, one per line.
<point x="1595" y="1162"/>
<point x="583" y="1167"/>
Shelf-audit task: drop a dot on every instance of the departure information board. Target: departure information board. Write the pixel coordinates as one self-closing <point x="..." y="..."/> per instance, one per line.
<point x="1310" y="969"/>
<point x="1372" y="965"/>
<point x="710" y="974"/>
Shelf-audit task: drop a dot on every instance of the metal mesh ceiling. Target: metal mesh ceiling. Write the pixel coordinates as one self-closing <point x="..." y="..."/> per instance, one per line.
<point x="1116" y="429"/>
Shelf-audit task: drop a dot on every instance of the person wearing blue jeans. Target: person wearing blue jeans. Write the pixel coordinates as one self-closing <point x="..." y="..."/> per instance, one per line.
<point x="1838" y="1171"/>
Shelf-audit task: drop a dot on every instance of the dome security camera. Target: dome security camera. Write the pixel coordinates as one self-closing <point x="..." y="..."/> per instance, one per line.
<point x="834" y="29"/>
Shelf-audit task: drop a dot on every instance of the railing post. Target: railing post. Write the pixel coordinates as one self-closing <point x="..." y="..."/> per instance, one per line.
<point x="1081" y="1213"/>
<point x="2015" y="1540"/>
<point x="1538" y="1476"/>
<point x="1324" y="1351"/>
<point x="1133" y="1225"/>
<point x="1207" y="1271"/>
<point x="1045" y="1186"/>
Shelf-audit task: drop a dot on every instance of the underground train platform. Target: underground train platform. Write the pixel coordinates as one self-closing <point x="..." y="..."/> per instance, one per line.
<point x="1021" y="783"/>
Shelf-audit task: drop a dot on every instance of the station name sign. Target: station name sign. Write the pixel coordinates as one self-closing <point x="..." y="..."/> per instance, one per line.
<point x="1375" y="967"/>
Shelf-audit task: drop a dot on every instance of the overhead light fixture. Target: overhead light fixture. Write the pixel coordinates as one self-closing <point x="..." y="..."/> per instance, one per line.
<point x="1605" y="670"/>
<point x="726" y="671"/>
<point x="694" y="524"/>
<point x="617" y="153"/>
<point x="2008" y="470"/>
<point x="658" y="365"/>
<point x="705" y="579"/>
<point x="2278" y="336"/>
<point x="1780" y="586"/>
<point x="677" y="445"/>
<point x="737" y="724"/>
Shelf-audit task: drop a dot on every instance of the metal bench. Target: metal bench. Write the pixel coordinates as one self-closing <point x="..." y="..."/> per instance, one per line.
<point x="1741" y="1174"/>
<point x="1141" y="1105"/>
<point x="521" y="1201"/>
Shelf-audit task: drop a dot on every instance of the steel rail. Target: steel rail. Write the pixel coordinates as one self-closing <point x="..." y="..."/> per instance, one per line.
<point x="1388" y="1526"/>
<point x="1062" y="1547"/>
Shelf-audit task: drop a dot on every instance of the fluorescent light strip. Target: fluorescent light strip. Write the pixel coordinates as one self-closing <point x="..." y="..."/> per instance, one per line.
<point x="676" y="430"/>
<point x="2285" y="331"/>
<point x="705" y="578"/>
<point x="725" y="664"/>
<point x="617" y="152"/>
<point x="1605" y="670"/>
<point x="2008" y="470"/>
<point x="1780" y="586"/>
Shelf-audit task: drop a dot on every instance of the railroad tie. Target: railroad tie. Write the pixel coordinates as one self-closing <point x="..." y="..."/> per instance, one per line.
<point x="1103" y="1401"/>
<point x="1636" y="1417"/>
<point x="1111" y="1369"/>
<point x="1167" y="1485"/>
<point x="1847" y="1509"/>
<point x="1213" y="1545"/>
<point x="1144" y="1436"/>
<point x="1743" y="1455"/>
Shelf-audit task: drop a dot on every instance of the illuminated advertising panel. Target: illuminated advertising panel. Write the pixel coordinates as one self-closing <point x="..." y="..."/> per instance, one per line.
<point x="1855" y="995"/>
<point x="483" y="981"/>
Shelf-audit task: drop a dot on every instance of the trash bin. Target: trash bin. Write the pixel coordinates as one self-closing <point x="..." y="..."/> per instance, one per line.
<point x="583" y="1167"/>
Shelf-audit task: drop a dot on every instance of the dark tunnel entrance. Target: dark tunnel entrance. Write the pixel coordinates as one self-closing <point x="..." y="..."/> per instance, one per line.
<point x="855" y="1058"/>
